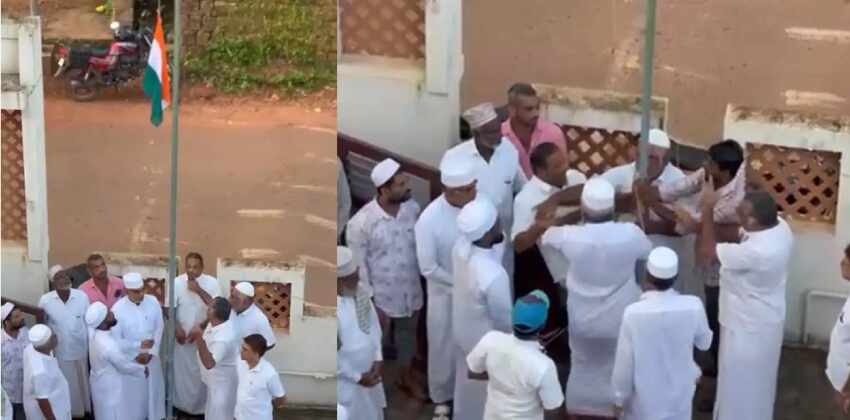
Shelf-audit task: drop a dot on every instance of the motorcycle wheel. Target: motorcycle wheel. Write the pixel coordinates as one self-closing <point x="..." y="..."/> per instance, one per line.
<point x="85" y="90"/>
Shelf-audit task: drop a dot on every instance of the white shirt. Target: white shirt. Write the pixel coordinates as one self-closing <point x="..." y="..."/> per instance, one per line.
<point x="654" y="368"/>
<point x="253" y="321"/>
<point x="499" y="179"/>
<point x="44" y="380"/>
<point x="622" y="178"/>
<point x="436" y="234"/>
<point x="752" y="278"/>
<point x="7" y="407"/>
<point x="223" y="343"/>
<point x="137" y="323"/>
<point x="67" y="320"/>
<point x="533" y="193"/>
<point x="838" y="359"/>
<point x="257" y="387"/>
<point x="191" y="309"/>
<point x="522" y="381"/>
<point x="13" y="364"/>
<point x="601" y="276"/>
<point x="385" y="250"/>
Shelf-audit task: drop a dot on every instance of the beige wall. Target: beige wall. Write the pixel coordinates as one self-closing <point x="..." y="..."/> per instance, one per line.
<point x="708" y="54"/>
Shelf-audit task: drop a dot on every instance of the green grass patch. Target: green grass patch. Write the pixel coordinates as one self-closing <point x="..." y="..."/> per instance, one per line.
<point x="286" y="45"/>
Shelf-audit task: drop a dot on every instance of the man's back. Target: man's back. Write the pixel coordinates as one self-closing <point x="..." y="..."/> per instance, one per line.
<point x="522" y="381"/>
<point x="654" y="365"/>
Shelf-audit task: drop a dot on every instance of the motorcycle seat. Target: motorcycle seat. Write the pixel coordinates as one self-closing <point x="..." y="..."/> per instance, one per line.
<point x="99" y="52"/>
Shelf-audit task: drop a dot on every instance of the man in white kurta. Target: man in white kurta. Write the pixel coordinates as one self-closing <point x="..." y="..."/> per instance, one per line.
<point x="753" y="274"/>
<point x="655" y="374"/>
<point x="522" y="381"/>
<point x="436" y="234"/>
<point x="359" y="359"/>
<point x="45" y="388"/>
<point x="218" y="354"/>
<point x="381" y="236"/>
<point x="109" y="366"/>
<point x="481" y="297"/>
<point x="600" y="283"/>
<point x="343" y="199"/>
<point x="193" y="291"/>
<point x="15" y="340"/>
<point x="139" y="332"/>
<point x="250" y="319"/>
<point x="838" y="359"/>
<point x="495" y="161"/>
<point x="66" y="310"/>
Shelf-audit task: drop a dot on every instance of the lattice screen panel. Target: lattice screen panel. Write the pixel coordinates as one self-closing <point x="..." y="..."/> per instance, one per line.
<point x="14" y="217"/>
<point x="804" y="183"/>
<point x="595" y="150"/>
<point x="389" y="28"/>
<point x="275" y="300"/>
<point x="156" y="287"/>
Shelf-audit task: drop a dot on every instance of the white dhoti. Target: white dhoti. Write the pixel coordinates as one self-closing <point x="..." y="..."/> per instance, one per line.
<point x="441" y="357"/>
<point x="156" y="390"/>
<point x="146" y="396"/>
<point x="190" y="393"/>
<point x="746" y="380"/>
<point x="221" y="394"/>
<point x="470" y="394"/>
<point x="589" y="391"/>
<point x="76" y="372"/>
<point x="135" y="395"/>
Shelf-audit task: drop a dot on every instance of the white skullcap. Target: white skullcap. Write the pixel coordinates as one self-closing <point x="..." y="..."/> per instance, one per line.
<point x="476" y="218"/>
<point x="479" y="115"/>
<point x="384" y="171"/>
<point x="598" y="194"/>
<point x="245" y="288"/>
<point x="658" y="138"/>
<point x="8" y="307"/>
<point x="663" y="263"/>
<point x="455" y="172"/>
<point x="133" y="281"/>
<point x="345" y="265"/>
<point x="53" y="270"/>
<point x="575" y="177"/>
<point x="95" y="314"/>
<point x="39" y="335"/>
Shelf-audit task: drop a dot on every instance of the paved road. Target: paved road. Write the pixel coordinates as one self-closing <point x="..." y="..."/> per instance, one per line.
<point x="255" y="179"/>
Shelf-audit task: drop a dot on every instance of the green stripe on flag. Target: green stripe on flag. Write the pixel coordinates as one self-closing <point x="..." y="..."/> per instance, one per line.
<point x="153" y="89"/>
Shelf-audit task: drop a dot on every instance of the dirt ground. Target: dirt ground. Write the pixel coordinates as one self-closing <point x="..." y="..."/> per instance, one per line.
<point x="65" y="19"/>
<point x="256" y="178"/>
<point x="791" y="55"/>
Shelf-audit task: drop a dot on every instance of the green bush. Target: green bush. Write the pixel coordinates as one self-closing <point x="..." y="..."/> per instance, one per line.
<point x="284" y="45"/>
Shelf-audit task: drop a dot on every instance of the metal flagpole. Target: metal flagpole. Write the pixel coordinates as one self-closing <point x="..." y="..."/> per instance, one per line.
<point x="646" y="93"/>
<point x="172" y="236"/>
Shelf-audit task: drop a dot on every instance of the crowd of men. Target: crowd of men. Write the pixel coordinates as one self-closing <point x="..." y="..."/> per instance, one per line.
<point x="95" y="350"/>
<point x="656" y="273"/>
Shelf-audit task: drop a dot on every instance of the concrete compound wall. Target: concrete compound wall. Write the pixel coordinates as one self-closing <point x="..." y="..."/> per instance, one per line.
<point x="818" y="247"/>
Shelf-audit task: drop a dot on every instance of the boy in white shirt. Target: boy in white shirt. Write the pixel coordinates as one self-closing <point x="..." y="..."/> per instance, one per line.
<point x="259" y="383"/>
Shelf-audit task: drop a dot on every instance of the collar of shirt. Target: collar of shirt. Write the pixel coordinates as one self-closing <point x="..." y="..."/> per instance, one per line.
<point x="532" y="344"/>
<point x="543" y="186"/>
<point x="471" y="149"/>
<point x="54" y="295"/>
<point x="651" y="294"/>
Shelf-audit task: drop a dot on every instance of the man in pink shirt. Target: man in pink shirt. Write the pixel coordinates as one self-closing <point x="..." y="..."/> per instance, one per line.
<point x="101" y="287"/>
<point x="525" y="129"/>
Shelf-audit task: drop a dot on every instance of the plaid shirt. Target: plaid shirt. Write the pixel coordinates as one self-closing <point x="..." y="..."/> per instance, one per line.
<point x="731" y="194"/>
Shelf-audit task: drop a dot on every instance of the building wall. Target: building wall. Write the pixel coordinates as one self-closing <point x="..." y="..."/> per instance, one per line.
<point x="707" y="54"/>
<point x="818" y="247"/>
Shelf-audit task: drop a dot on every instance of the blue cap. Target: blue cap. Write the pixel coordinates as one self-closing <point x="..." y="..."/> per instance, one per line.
<point x="530" y="311"/>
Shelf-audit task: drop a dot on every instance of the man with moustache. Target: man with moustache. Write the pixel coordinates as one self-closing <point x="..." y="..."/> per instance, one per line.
<point x="381" y="236"/>
<point x="15" y="340"/>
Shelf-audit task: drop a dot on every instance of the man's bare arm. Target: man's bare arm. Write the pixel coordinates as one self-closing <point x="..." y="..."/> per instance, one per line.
<point x="46" y="409"/>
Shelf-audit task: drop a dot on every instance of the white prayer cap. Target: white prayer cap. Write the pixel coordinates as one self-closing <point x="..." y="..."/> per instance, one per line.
<point x="663" y="263"/>
<point x="8" y="307"/>
<point x="245" y="288"/>
<point x="598" y="194"/>
<point x="345" y="265"/>
<point x="575" y="177"/>
<point x="476" y="218"/>
<point x="384" y="171"/>
<point x="658" y="138"/>
<point x="133" y="281"/>
<point x="53" y="270"/>
<point x="95" y="314"/>
<point x="39" y="335"/>
<point x="480" y="114"/>
<point x="455" y="172"/>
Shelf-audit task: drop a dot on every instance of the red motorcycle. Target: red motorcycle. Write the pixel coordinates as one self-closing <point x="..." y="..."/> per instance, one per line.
<point x="87" y="69"/>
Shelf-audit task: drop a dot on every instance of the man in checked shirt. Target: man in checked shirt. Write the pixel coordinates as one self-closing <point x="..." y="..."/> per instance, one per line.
<point x="727" y="173"/>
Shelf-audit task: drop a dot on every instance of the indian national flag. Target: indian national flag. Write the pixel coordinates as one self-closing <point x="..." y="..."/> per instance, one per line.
<point x="155" y="83"/>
